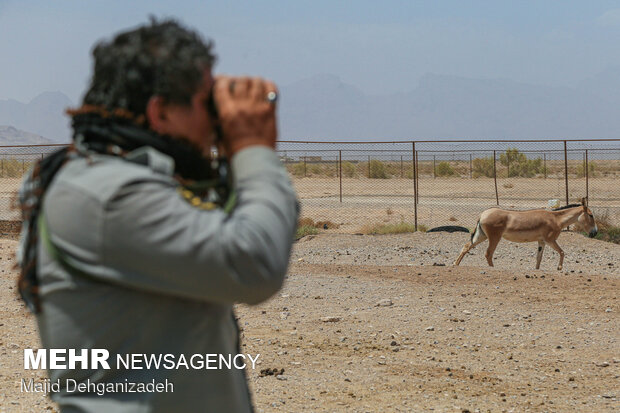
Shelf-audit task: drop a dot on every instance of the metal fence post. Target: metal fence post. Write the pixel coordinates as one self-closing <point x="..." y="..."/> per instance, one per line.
<point x="434" y="168"/>
<point x="368" y="166"/>
<point x="340" y="167"/>
<point x="495" y="178"/>
<point x="566" y="170"/>
<point x="470" y="167"/>
<point x="545" y="164"/>
<point x="415" y="187"/>
<point x="417" y="178"/>
<point x="305" y="174"/>
<point x="401" y="166"/>
<point x="336" y="162"/>
<point x="587" y="177"/>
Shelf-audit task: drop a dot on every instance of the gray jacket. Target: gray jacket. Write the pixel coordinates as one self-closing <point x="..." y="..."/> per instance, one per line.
<point x="159" y="276"/>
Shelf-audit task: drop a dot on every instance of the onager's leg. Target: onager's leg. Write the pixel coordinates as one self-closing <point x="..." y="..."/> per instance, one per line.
<point x="478" y="238"/>
<point x="493" y="241"/>
<point x="556" y="247"/>
<point x="541" y="249"/>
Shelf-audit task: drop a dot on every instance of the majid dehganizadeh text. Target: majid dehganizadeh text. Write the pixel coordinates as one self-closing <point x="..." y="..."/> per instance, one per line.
<point x="53" y="359"/>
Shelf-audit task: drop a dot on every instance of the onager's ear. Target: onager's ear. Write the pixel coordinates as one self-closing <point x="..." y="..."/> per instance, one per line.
<point x="584" y="201"/>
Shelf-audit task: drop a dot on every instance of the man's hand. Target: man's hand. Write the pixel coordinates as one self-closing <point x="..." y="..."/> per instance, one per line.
<point x="245" y="116"/>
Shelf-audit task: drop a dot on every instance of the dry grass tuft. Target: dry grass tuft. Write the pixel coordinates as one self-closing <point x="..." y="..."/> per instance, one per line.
<point x="309" y="222"/>
<point x="305" y="222"/>
<point x="400" y="228"/>
<point x="326" y="225"/>
<point x="304" y="230"/>
<point x="606" y="230"/>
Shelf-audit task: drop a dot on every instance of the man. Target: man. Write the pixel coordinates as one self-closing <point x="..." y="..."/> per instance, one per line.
<point x="136" y="241"/>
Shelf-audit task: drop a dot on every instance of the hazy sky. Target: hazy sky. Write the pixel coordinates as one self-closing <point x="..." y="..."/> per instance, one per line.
<point x="378" y="46"/>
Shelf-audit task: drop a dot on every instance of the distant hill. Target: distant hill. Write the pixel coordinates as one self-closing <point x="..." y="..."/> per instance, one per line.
<point x="441" y="107"/>
<point x="12" y="136"/>
<point x="324" y="107"/>
<point x="43" y="115"/>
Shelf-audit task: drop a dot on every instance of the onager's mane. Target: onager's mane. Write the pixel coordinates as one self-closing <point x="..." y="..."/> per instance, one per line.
<point x="566" y="207"/>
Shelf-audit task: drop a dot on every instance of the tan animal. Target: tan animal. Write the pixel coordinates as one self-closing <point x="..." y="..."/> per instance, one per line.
<point x="528" y="226"/>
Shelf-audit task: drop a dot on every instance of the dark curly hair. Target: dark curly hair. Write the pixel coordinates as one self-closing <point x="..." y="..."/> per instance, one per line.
<point x="161" y="59"/>
<point x="157" y="59"/>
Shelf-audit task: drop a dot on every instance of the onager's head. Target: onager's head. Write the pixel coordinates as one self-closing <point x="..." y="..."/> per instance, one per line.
<point x="586" y="220"/>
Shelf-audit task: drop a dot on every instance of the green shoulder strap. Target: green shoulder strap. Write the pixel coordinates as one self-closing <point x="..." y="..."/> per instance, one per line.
<point x="47" y="242"/>
<point x="54" y="252"/>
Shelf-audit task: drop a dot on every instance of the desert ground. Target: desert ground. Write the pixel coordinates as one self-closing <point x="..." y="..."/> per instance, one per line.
<point x="386" y="324"/>
<point x="443" y="201"/>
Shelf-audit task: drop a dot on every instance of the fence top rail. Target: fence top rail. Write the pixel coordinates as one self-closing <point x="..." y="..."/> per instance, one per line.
<point x="431" y="151"/>
<point x="33" y="146"/>
<point x="393" y="142"/>
<point x="457" y="140"/>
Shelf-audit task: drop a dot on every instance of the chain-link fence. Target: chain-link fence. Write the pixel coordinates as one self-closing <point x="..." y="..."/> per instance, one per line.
<point x="15" y="161"/>
<point x="356" y="185"/>
<point x="428" y="184"/>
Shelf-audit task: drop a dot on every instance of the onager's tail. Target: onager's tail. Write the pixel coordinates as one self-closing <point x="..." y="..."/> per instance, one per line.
<point x="476" y="238"/>
<point x="478" y="235"/>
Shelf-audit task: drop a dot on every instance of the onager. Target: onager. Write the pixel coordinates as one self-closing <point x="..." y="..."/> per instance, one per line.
<point x="528" y="226"/>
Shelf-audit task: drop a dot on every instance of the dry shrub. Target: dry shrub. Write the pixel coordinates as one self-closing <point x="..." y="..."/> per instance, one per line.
<point x="508" y="185"/>
<point x="444" y="169"/>
<point x="326" y="225"/>
<point x="592" y="170"/>
<point x="378" y="170"/>
<point x="518" y="164"/>
<point x="389" y="211"/>
<point x="348" y="170"/>
<point x="304" y="230"/>
<point x="314" y="169"/>
<point x="14" y="168"/>
<point x="452" y="219"/>
<point x="309" y="222"/>
<point x="297" y="169"/>
<point x="607" y="231"/>
<point x="399" y="228"/>
<point x="305" y="222"/>
<point x="602" y="219"/>
<point x="483" y="167"/>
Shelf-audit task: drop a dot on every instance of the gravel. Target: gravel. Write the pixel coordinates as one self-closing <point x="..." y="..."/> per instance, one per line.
<point x="368" y="323"/>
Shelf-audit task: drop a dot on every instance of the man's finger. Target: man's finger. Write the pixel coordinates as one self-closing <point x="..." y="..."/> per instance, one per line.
<point x="241" y="87"/>
<point x="257" y="89"/>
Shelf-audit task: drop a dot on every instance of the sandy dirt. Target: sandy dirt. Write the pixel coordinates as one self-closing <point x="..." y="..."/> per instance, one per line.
<point x="442" y="201"/>
<point x="386" y="324"/>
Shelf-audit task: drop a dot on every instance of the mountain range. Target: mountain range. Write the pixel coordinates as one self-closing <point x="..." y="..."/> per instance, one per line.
<point x="12" y="136"/>
<point x="43" y="115"/>
<point x="449" y="107"/>
<point x="324" y="107"/>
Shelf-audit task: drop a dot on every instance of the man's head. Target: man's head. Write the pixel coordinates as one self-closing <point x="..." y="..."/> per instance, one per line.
<point x="151" y="70"/>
